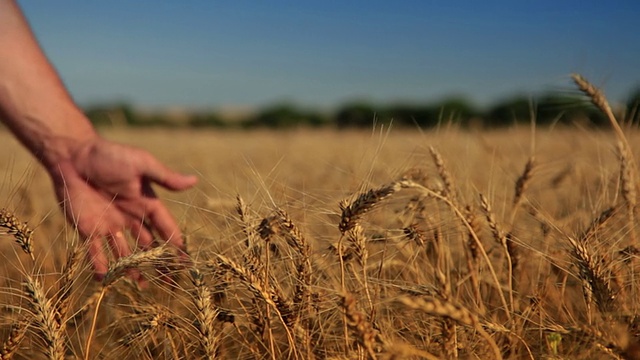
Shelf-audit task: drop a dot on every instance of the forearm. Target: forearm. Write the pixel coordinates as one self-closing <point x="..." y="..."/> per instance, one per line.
<point x="34" y="103"/>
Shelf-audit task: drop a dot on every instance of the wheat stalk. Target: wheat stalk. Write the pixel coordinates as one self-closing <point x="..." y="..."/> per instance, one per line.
<point x="46" y="318"/>
<point x="366" y="336"/>
<point x="629" y="186"/>
<point x="119" y="268"/>
<point x="446" y="309"/>
<point x="472" y="255"/>
<point x="503" y="241"/>
<point x="270" y="295"/>
<point x="440" y="273"/>
<point x="267" y="232"/>
<point x="460" y="215"/>
<point x="413" y="233"/>
<point x="21" y="232"/>
<point x="69" y="275"/>
<point x="600" y="101"/>
<point x="629" y="167"/>
<point x="206" y="315"/>
<point x="296" y="240"/>
<point x="147" y="327"/>
<point x="596" y="224"/>
<point x="11" y="344"/>
<point x="302" y="292"/>
<point x="523" y="182"/>
<point x="116" y="271"/>
<point x="246" y="222"/>
<point x="250" y="280"/>
<point x="593" y="273"/>
<point x="445" y="175"/>
<point x="352" y="211"/>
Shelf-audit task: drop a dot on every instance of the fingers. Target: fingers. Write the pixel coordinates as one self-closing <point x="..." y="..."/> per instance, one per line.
<point x="148" y="215"/>
<point x="165" y="177"/>
<point x="97" y="257"/>
<point x="118" y="244"/>
<point x="165" y="224"/>
<point x="120" y="248"/>
<point x="116" y="241"/>
<point x="159" y="219"/>
<point x="141" y="233"/>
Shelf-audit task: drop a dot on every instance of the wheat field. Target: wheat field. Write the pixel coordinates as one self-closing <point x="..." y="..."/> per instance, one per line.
<point x="517" y="243"/>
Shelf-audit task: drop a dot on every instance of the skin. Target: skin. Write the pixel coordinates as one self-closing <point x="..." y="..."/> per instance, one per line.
<point x="104" y="188"/>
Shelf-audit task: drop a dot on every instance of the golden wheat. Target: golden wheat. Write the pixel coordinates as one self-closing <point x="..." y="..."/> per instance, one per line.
<point x="45" y="317"/>
<point x="20" y="231"/>
<point x="11" y="344"/>
<point x="206" y="315"/>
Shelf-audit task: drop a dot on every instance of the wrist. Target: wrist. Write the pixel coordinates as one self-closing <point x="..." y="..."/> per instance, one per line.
<point x="64" y="140"/>
<point x="53" y="130"/>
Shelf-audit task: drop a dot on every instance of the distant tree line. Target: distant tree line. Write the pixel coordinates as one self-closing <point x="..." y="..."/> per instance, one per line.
<point x="546" y="109"/>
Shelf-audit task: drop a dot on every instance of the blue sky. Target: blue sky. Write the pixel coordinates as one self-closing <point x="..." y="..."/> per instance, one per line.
<point x="323" y="53"/>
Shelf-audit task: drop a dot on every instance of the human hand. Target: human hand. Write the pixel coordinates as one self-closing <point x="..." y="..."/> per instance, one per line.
<point x="105" y="190"/>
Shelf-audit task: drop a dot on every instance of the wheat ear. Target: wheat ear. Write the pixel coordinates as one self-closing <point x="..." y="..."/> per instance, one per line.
<point x="206" y="315"/>
<point x="449" y="310"/>
<point x="270" y="295"/>
<point x="523" y="181"/>
<point x="302" y="293"/>
<point x="352" y="211"/>
<point x="445" y="175"/>
<point x="629" y="168"/>
<point x="366" y="335"/>
<point x="503" y="240"/>
<point x="461" y="216"/>
<point x="115" y="272"/>
<point x="593" y="273"/>
<point x="472" y="256"/>
<point x="10" y="346"/>
<point x="45" y="316"/>
<point x="600" y="101"/>
<point x="21" y="231"/>
<point x="69" y="275"/>
<point x="151" y="325"/>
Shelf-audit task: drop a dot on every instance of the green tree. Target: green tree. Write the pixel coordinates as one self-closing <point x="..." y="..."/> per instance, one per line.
<point x="456" y="110"/>
<point x="411" y="115"/>
<point x="555" y="107"/>
<point x="115" y="114"/>
<point x="357" y="114"/>
<point x="316" y="119"/>
<point x="516" y="109"/>
<point x="285" y="116"/>
<point x="206" y="120"/>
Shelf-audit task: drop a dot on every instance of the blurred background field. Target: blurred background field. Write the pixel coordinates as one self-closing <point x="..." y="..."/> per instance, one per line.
<point x="316" y="168"/>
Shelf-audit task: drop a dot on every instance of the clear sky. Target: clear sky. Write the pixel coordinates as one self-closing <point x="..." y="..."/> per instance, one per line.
<point x="323" y="53"/>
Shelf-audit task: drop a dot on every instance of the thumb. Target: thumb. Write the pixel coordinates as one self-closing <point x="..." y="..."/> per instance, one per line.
<point x="167" y="178"/>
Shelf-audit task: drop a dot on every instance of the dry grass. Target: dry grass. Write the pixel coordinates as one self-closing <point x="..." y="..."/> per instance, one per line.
<point x="342" y="245"/>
